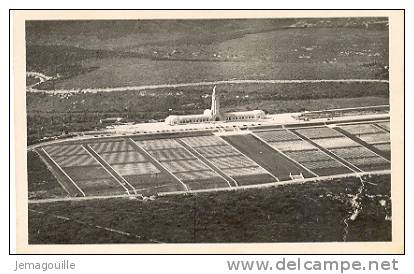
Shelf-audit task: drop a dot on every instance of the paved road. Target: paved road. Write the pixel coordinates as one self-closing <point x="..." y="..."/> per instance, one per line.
<point x="150" y="87"/>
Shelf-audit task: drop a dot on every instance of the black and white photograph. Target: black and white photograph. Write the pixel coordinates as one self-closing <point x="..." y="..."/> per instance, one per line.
<point x="239" y="130"/>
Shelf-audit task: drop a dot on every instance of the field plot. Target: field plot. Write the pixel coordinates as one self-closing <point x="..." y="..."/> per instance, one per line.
<point x="83" y="170"/>
<point x="384" y="125"/>
<point x="359" y="156"/>
<point x="303" y="152"/>
<point x="271" y="160"/>
<point x="386" y="148"/>
<point x="134" y="167"/>
<point x="165" y="164"/>
<point x="41" y="181"/>
<point x="184" y="165"/>
<point x="228" y="160"/>
<point x="375" y="137"/>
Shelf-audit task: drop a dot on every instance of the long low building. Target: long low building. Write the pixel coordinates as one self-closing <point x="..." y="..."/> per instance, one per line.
<point x="185" y="119"/>
<point x="214" y="114"/>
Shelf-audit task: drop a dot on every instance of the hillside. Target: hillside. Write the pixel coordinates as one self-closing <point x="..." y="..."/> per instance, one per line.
<point x="313" y="212"/>
<point x="101" y="54"/>
<point x="206" y="49"/>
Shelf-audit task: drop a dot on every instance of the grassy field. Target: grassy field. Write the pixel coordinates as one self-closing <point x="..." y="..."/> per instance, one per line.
<point x="41" y="182"/>
<point x="266" y="157"/>
<point x="99" y="54"/>
<point x="134" y="34"/>
<point x="193" y="99"/>
<point x="309" y="212"/>
<point x="135" y="72"/>
<point x="144" y="53"/>
<point x="242" y="49"/>
<point x="50" y="115"/>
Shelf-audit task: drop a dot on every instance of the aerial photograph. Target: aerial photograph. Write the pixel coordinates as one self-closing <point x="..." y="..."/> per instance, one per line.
<point x="176" y="131"/>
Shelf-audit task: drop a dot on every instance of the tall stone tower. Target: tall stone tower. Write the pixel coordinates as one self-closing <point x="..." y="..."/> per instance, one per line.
<point x="215" y="106"/>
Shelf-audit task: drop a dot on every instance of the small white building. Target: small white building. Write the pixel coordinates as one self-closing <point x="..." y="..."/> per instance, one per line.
<point x="214" y="114"/>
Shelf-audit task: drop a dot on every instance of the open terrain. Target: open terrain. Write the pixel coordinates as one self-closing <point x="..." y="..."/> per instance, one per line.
<point x="111" y="54"/>
<point x="225" y="49"/>
<point x="312" y="212"/>
<point x="267" y="184"/>
<point x="41" y="182"/>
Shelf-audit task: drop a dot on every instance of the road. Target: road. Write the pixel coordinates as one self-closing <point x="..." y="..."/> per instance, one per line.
<point x="39" y="76"/>
<point x="273" y="184"/>
<point x="195" y="84"/>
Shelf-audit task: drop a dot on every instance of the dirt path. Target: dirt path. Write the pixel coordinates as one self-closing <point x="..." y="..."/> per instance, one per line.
<point x="138" y="197"/>
<point x="151" y="87"/>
